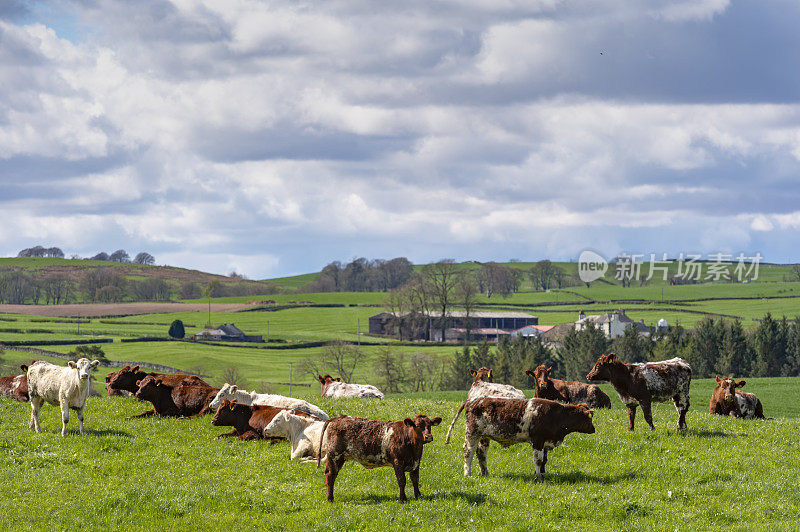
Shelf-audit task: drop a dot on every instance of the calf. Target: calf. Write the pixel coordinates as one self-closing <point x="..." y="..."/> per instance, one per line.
<point x="643" y="383"/>
<point x="542" y="422"/>
<point x="68" y="386"/>
<point x="15" y="387"/>
<point x="184" y="399"/>
<point x="571" y="392"/>
<point x="337" y="389"/>
<point x="302" y="432"/>
<point x="232" y="392"/>
<point x="127" y="379"/>
<point x="376" y="443"/>
<point x="484" y="386"/>
<point x="248" y="421"/>
<point x="726" y="400"/>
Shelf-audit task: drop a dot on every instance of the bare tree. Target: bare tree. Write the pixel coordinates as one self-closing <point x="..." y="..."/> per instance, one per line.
<point x="422" y="374"/>
<point x="390" y="369"/>
<point x="144" y="258"/>
<point x="57" y="288"/>
<point x="541" y="274"/>
<point x="342" y="358"/>
<point x="441" y="278"/>
<point x="467" y="297"/>
<point x="233" y="375"/>
<point x="119" y="255"/>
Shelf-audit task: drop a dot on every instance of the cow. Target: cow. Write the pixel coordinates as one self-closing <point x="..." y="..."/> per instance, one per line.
<point x="68" y="386"/>
<point x="571" y="392"/>
<point x="231" y="392"/>
<point x="484" y="386"/>
<point x="111" y="391"/>
<point x="248" y="421"/>
<point x="726" y="400"/>
<point x="542" y="422"/>
<point x="302" y="432"/>
<point x="376" y="443"/>
<point x="642" y="383"/>
<point x="15" y="387"/>
<point x="128" y="377"/>
<point x="337" y="389"/>
<point x="184" y="399"/>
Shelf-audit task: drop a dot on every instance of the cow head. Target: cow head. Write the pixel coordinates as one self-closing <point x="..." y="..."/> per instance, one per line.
<point x="482" y="375"/>
<point x="126" y="379"/>
<point x="279" y="426"/>
<point x="84" y="367"/>
<point x="421" y="425"/>
<point x="150" y="387"/>
<point x="541" y="378"/>
<point x="725" y="392"/>
<point x="227" y="413"/>
<point x="581" y="419"/>
<point x="603" y="367"/>
<point x="226" y="392"/>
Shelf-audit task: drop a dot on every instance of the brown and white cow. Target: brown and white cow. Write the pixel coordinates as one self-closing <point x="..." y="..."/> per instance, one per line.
<point x="643" y="383"/>
<point x="571" y="392"/>
<point x="375" y="443"/>
<point x="243" y="397"/>
<point x="337" y="389"/>
<point x="15" y="387"/>
<point x="726" y="400"/>
<point x="67" y="386"/>
<point x="127" y="379"/>
<point x="248" y="421"/>
<point x="483" y="386"/>
<point x="541" y="422"/>
<point x="184" y="399"/>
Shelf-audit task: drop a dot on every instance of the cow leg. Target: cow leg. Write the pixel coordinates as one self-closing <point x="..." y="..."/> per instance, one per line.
<point x="332" y="467"/>
<point x="648" y="414"/>
<point x="470" y="445"/>
<point x="36" y="405"/>
<point x="80" y="418"/>
<point x="631" y="416"/>
<point x="64" y="416"/>
<point x="682" y="406"/>
<point x="483" y="453"/>
<point x="400" y="473"/>
<point x="145" y="414"/>
<point x="414" y="476"/>
<point x="539" y="460"/>
<point x="227" y="434"/>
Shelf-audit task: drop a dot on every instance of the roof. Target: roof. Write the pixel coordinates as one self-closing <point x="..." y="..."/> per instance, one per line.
<point x="530" y="328"/>
<point x="485" y="331"/>
<point x="606" y="318"/>
<point x="231" y="330"/>
<point x="474" y="314"/>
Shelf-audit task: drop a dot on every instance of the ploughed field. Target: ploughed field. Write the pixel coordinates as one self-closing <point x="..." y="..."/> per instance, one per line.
<point x="167" y="473"/>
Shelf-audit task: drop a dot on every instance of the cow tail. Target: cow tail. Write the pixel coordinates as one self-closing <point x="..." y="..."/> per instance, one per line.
<point x="450" y="429"/>
<point x="321" y="439"/>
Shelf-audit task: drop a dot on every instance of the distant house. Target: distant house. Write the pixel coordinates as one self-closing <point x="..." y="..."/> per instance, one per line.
<point x="226" y="333"/>
<point x="531" y="330"/>
<point x="481" y="325"/>
<point x="612" y="324"/>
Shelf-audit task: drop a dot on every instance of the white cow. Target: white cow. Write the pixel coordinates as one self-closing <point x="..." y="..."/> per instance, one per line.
<point x="232" y="392"/>
<point x="67" y="386"/>
<point x="337" y="389"/>
<point x="302" y="432"/>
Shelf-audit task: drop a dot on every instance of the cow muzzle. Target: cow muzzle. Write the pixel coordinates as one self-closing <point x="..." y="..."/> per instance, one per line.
<point x="427" y="438"/>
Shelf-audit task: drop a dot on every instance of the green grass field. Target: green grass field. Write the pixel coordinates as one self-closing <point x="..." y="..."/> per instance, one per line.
<point x="170" y="473"/>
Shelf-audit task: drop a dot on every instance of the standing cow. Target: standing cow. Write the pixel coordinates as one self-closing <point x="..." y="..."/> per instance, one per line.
<point x="337" y="389"/>
<point x="726" y="400"/>
<point x="541" y="422"/>
<point x="571" y="392"/>
<point x="646" y="382"/>
<point x="484" y="386"/>
<point x="68" y="386"/>
<point x="15" y="387"/>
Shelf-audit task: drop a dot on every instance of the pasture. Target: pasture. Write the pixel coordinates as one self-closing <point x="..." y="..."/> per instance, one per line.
<point x="170" y="473"/>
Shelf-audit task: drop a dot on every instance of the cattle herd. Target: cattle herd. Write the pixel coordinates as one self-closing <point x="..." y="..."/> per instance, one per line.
<point x="492" y="411"/>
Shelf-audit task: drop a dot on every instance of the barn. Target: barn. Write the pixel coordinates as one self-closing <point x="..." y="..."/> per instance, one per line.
<point x="422" y="326"/>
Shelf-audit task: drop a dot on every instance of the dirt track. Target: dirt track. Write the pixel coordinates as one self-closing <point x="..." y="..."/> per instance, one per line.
<point x="118" y="309"/>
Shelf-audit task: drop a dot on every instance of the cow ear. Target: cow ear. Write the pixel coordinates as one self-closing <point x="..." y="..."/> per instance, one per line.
<point x="320" y="379"/>
<point x="612" y="356"/>
<point x="338" y="379"/>
<point x="234" y="404"/>
<point x="718" y="379"/>
<point x="435" y="421"/>
<point x="590" y="412"/>
<point x="94" y="363"/>
<point x="72" y="364"/>
<point x="409" y="422"/>
<point x="234" y="388"/>
<point x="489" y="374"/>
<point x="23" y="367"/>
<point x="473" y="372"/>
<point x="529" y="373"/>
<point x="740" y="384"/>
<point x="135" y="369"/>
<point x="127" y="366"/>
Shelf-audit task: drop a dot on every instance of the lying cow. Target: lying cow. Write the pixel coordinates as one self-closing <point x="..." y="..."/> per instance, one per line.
<point x="337" y="389"/>
<point x="232" y="392"/>
<point x="302" y="432"/>
<point x="376" y="443"/>
<point x="542" y="422"/>
<point x="726" y="400"/>
<point x="127" y="379"/>
<point x="484" y="386"/>
<point x="15" y="387"/>
<point x="68" y="386"/>
<point x="646" y="382"/>
<point x="571" y="392"/>
<point x="248" y="421"/>
<point x="185" y="399"/>
<point x="111" y="391"/>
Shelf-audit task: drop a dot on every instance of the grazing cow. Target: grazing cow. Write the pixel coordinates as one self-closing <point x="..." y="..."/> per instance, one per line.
<point x="248" y="421"/>
<point x="643" y="383"/>
<point x="484" y="386"/>
<point x="571" y="392"/>
<point x="726" y="400"/>
<point x="337" y="389"/>
<point x="302" y="432"/>
<point x="68" y="386"/>
<point x="185" y="399"/>
<point x="15" y="387"/>
<point x="542" y="422"/>
<point x="127" y="379"/>
<point x="232" y="392"/>
<point x="376" y="443"/>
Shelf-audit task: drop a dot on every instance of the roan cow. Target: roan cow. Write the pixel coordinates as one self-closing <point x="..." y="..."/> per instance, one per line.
<point x="643" y="383"/>
<point x="248" y="421"/>
<point x="726" y="400"/>
<point x="15" y="387"/>
<point x="184" y="399"/>
<point x="542" y="422"/>
<point x="571" y="392"/>
<point x="337" y="389"/>
<point x="67" y="386"/>
<point x="376" y="443"/>
<point x="232" y="392"/>
<point x="484" y="386"/>
<point x="127" y="379"/>
<point x="302" y="432"/>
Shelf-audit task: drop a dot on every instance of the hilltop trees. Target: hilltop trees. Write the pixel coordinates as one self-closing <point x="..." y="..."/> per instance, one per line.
<point x="39" y="251"/>
<point x="361" y="275"/>
<point x="493" y="278"/>
<point x="144" y="258"/>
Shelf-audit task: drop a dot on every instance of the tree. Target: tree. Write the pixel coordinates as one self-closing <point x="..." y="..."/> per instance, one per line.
<point x="581" y="350"/>
<point x="390" y="369"/>
<point x="57" y="288"/>
<point x="467" y="297"/>
<point x="100" y="256"/>
<point x="541" y="274"/>
<point x="88" y="351"/>
<point x="497" y="278"/>
<point x="176" y="330"/>
<point x="144" y="258"/>
<point x="734" y="355"/>
<point x="441" y="278"/>
<point x="343" y="359"/>
<point x="769" y="348"/>
<point x="708" y="336"/>
<point x="233" y="375"/>
<point x="633" y="347"/>
<point x="119" y="255"/>
<point x="98" y="278"/>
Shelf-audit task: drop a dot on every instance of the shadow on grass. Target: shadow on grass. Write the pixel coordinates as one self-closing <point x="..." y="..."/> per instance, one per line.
<point x="472" y="498"/>
<point x="706" y="433"/>
<point x="574" y="477"/>
<point x="108" y="432"/>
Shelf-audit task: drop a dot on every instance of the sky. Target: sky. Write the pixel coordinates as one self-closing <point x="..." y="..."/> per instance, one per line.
<point x="273" y="137"/>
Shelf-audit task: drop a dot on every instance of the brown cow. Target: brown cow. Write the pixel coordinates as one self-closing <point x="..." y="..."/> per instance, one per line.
<point x="726" y="400"/>
<point x="542" y="422"/>
<point x="184" y="399"/>
<point x="111" y="391"/>
<point x="571" y="392"/>
<point x="376" y="443"/>
<point x="128" y="377"/>
<point x="645" y="382"/>
<point x="249" y="421"/>
<point x="15" y="387"/>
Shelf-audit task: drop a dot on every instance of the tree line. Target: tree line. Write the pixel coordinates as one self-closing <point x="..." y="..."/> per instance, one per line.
<point x="119" y="255"/>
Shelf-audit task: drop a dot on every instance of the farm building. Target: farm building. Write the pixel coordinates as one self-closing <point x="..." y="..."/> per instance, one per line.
<point x="531" y="330"/>
<point x="612" y="324"/>
<point x="481" y="325"/>
<point x="226" y="333"/>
